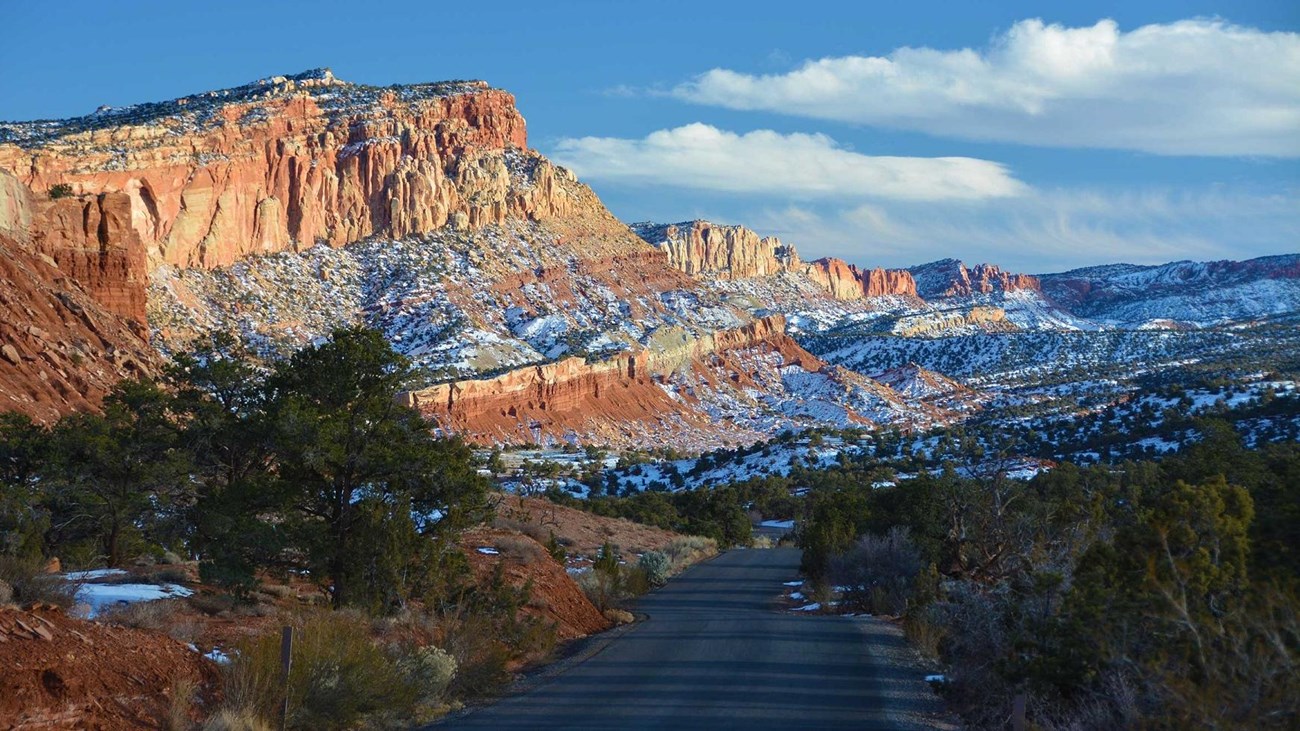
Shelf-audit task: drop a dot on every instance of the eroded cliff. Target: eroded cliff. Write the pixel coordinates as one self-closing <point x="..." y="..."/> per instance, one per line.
<point x="711" y="251"/>
<point x="286" y="162"/>
<point x="952" y="278"/>
<point x="71" y="321"/>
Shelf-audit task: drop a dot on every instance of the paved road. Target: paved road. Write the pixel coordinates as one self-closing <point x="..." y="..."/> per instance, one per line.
<point x="716" y="653"/>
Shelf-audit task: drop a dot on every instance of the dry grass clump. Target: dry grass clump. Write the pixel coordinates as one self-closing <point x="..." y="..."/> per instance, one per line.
<point x="29" y="583"/>
<point x="341" y="678"/>
<point x="154" y="615"/>
<point x="619" y="616"/>
<point x="229" y="719"/>
<point x="688" y="550"/>
<point x="537" y="532"/>
<point x="522" y="549"/>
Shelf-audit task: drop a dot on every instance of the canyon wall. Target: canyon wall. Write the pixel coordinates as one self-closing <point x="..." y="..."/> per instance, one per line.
<point x="616" y="401"/>
<point x="710" y="251"/>
<point x="291" y="161"/>
<point x="71" y="321"/>
<point x="847" y="282"/>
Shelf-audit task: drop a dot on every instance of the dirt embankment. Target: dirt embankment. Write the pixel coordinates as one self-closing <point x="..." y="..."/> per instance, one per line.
<point x="580" y="532"/>
<point x="553" y="595"/>
<point x="60" y="672"/>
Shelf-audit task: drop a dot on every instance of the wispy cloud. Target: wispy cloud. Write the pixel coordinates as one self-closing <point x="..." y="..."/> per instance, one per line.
<point x="1193" y="87"/>
<point x="802" y="166"/>
<point x="1046" y="230"/>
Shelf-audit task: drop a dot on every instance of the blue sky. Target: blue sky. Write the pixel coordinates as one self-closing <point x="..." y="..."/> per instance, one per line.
<point x="1038" y="136"/>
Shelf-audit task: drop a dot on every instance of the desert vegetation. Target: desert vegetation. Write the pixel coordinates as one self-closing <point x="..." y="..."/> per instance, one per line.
<point x="1138" y="594"/>
<point x="303" y="480"/>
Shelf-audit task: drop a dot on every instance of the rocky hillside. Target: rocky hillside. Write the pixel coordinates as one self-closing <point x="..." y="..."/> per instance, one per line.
<point x="291" y="206"/>
<point x="288" y="207"/>
<point x="1183" y="293"/>
<point x="71" y="320"/>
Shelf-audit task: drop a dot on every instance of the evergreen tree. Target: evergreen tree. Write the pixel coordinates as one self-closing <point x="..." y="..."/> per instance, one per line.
<point x="356" y="463"/>
<point x="119" y="475"/>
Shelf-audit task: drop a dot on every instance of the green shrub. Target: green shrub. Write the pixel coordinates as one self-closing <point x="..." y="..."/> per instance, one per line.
<point x="60" y="190"/>
<point x="556" y="549"/>
<point x="339" y="677"/>
<point x="481" y="658"/>
<point x="633" y="581"/>
<point x="428" y="669"/>
<point x="656" y="566"/>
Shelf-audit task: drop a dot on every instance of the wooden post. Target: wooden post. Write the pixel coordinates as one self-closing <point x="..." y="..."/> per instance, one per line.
<point x="286" y="662"/>
<point x="1018" y="722"/>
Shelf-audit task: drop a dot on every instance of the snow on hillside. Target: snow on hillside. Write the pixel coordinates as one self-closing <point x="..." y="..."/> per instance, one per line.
<point x="1201" y="294"/>
<point x="426" y="295"/>
<point x="1027" y="356"/>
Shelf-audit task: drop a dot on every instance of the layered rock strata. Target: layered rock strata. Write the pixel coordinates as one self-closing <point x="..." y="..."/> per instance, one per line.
<point x="710" y="251"/>
<point x="617" y="401"/>
<point x="952" y="278"/>
<point x="287" y="162"/>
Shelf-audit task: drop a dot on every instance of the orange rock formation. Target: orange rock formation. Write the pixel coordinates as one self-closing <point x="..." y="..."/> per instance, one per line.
<point x="847" y="282"/>
<point x="611" y="401"/>
<point x="710" y="251"/>
<point x="71" y="315"/>
<point x="296" y="161"/>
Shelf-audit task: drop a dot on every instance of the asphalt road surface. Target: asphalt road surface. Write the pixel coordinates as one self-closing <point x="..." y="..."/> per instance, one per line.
<point x="718" y="652"/>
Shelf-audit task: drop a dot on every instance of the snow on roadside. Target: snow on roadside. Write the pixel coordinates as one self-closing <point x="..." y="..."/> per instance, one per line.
<point x="98" y="597"/>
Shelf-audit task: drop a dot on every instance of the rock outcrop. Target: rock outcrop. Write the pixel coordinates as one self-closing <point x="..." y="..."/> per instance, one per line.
<point x="710" y="251"/>
<point x="90" y="239"/>
<point x="287" y="162"/>
<point x="954" y="321"/>
<point x="704" y="249"/>
<point x="71" y="313"/>
<point x="60" y="349"/>
<point x="616" y="401"/>
<point x="952" y="278"/>
<point x="847" y="282"/>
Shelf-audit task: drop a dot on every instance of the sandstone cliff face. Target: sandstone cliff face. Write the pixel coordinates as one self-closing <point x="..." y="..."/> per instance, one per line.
<point x="288" y="162"/>
<point x="952" y="278"/>
<point x="619" y="401"/>
<point x="709" y="251"/>
<point x="847" y="282"/>
<point x="91" y="240"/>
<point x="59" y="350"/>
<point x="704" y="249"/>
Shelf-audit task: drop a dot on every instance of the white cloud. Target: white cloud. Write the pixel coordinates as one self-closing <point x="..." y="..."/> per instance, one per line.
<point x="1043" y="231"/>
<point x="1194" y="87"/>
<point x="807" y="166"/>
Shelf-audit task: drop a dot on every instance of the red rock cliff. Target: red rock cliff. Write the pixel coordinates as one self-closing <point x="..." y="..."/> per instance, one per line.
<point x="617" y="401"/>
<point x="288" y="162"/>
<point x="704" y="249"/>
<point x="710" y="251"/>
<point x="71" y="322"/>
<point x="846" y="281"/>
<point x="952" y="278"/>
